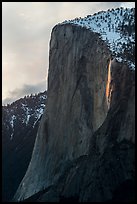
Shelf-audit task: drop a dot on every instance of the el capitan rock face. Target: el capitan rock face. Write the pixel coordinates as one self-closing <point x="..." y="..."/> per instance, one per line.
<point x="107" y="172"/>
<point x="84" y="148"/>
<point x="76" y="84"/>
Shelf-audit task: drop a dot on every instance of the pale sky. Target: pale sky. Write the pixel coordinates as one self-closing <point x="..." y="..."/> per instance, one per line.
<point x="26" y="30"/>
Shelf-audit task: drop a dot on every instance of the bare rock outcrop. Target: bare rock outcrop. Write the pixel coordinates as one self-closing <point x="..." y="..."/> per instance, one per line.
<point x="84" y="148"/>
<point x="76" y="104"/>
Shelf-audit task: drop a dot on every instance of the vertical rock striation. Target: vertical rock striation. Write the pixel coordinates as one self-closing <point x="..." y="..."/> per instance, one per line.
<point x="107" y="172"/>
<point x="76" y="105"/>
<point x="84" y="150"/>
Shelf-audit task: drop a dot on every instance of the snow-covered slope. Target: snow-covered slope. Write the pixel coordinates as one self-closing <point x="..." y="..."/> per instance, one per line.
<point x="20" y="121"/>
<point x="117" y="28"/>
<point x="25" y="112"/>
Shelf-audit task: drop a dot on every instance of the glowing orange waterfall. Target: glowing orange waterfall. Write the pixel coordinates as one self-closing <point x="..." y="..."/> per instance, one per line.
<point x="108" y="88"/>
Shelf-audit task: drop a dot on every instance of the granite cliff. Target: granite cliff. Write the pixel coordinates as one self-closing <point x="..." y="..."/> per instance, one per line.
<point x="84" y="150"/>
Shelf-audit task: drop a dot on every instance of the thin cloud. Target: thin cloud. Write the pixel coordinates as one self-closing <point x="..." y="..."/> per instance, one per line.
<point x="27" y="89"/>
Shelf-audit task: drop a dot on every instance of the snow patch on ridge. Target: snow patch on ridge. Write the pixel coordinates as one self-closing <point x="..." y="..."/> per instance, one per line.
<point x="116" y="27"/>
